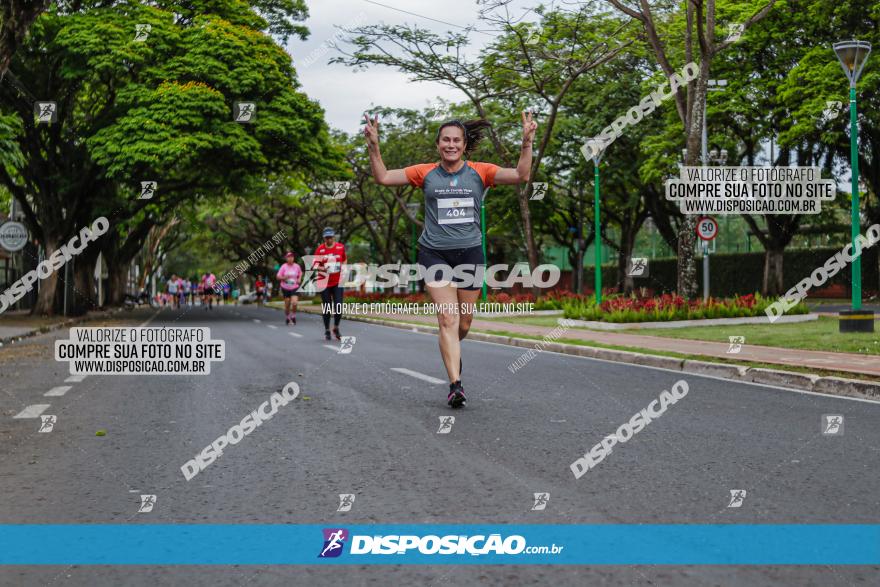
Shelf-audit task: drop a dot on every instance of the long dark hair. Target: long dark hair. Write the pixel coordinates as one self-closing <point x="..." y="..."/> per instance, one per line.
<point x="474" y="131"/>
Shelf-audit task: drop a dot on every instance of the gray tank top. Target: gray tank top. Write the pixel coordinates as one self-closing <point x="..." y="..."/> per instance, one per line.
<point x="452" y="203"/>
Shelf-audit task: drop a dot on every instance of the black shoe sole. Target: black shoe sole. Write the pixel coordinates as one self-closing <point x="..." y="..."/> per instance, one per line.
<point x="458" y="400"/>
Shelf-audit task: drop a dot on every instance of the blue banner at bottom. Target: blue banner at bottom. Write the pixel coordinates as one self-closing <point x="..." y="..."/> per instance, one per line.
<point x="427" y="544"/>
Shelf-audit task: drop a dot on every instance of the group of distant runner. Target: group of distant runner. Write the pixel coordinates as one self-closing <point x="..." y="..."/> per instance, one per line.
<point x="184" y="292"/>
<point x="326" y="268"/>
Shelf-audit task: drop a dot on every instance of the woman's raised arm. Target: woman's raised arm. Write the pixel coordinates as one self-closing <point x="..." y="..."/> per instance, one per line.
<point x="520" y="174"/>
<point x="383" y="176"/>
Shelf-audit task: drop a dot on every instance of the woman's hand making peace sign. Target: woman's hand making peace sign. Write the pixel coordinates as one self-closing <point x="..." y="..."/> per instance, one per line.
<point x="529" y="128"/>
<point x="371" y="130"/>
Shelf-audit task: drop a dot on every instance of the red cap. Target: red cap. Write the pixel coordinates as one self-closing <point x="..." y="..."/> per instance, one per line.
<point x="289" y="254"/>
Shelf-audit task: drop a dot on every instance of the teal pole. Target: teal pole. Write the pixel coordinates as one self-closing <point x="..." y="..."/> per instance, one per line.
<point x="413" y="254"/>
<point x="597" y="238"/>
<point x="483" y="231"/>
<point x="855" y="223"/>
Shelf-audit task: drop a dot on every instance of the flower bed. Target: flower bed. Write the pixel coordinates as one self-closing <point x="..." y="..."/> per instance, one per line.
<point x="670" y="307"/>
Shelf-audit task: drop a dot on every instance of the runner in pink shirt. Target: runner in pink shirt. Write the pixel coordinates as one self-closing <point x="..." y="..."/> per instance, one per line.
<point x="208" y="280"/>
<point x="289" y="276"/>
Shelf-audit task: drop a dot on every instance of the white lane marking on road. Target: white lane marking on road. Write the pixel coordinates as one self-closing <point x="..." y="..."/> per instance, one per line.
<point x="331" y="347"/>
<point x="257" y="320"/>
<point x="32" y="411"/>
<point x="295" y="335"/>
<point x="418" y="375"/>
<point x="150" y="319"/>
<point x="58" y="391"/>
<point x="75" y="378"/>
<point x="272" y="326"/>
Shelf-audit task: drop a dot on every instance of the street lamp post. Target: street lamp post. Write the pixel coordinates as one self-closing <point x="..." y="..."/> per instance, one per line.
<point x="597" y="233"/>
<point x="413" y="208"/>
<point x="853" y="55"/>
<point x="483" y="292"/>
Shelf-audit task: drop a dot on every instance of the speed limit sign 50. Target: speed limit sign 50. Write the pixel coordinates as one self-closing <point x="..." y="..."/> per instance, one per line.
<point x="707" y="228"/>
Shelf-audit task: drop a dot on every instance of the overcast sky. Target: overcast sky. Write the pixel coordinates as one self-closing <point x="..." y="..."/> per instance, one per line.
<point x="345" y="94"/>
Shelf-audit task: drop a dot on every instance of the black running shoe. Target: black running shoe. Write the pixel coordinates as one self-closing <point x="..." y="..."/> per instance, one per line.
<point x="327" y="335"/>
<point x="456" y="398"/>
<point x="287" y="321"/>
<point x="336" y="333"/>
<point x="293" y="319"/>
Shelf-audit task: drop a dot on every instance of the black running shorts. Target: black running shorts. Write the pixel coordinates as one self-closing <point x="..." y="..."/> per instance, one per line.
<point x="448" y="260"/>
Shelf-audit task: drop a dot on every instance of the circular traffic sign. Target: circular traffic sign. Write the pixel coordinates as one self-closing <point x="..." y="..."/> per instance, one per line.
<point x="13" y="236"/>
<point x="707" y="228"/>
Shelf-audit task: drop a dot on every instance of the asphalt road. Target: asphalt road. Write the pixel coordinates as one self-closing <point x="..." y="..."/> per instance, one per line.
<point x="361" y="427"/>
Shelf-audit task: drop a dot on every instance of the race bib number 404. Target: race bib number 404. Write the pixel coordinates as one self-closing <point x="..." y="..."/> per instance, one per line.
<point x="455" y="210"/>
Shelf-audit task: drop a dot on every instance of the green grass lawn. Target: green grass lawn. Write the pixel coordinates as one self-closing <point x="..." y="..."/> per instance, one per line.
<point x="820" y="335"/>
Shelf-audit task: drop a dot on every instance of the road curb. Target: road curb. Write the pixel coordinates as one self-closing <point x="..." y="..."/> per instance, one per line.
<point x="788" y="379"/>
<point x="58" y="326"/>
<point x="722" y="370"/>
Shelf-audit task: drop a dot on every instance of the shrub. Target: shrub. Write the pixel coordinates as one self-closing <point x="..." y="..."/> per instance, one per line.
<point x="669" y="307"/>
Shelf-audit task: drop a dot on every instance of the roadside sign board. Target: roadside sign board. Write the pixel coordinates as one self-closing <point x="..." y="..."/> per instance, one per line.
<point x="13" y="236"/>
<point x="707" y="228"/>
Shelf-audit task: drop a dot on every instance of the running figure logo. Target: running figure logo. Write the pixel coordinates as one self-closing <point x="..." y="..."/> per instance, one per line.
<point x="148" y="190"/>
<point x="334" y="540"/>
<point x="141" y="32"/>
<point x="737" y="496"/>
<point x="735" y="32"/>
<point x="46" y="112"/>
<point x="736" y="344"/>
<point x="532" y="36"/>
<point x="147" y="503"/>
<point x="832" y="110"/>
<point x="346" y="345"/>
<point x="48" y="422"/>
<point x="539" y="190"/>
<point x="340" y="190"/>
<point x="638" y="267"/>
<point x="446" y="423"/>
<point x="832" y="425"/>
<point x="541" y="500"/>
<point x="243" y="111"/>
<point x="346" y="500"/>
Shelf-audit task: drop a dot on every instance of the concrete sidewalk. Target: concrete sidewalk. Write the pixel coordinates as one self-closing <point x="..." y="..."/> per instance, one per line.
<point x="19" y="324"/>
<point x="844" y="362"/>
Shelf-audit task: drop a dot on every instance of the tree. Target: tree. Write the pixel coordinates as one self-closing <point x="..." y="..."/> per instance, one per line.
<point x="156" y="109"/>
<point x="15" y="19"/>
<point x="700" y="46"/>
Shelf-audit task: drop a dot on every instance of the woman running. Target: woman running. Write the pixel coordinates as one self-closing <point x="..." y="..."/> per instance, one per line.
<point x="260" y="288"/>
<point x="454" y="191"/>
<point x="208" y="280"/>
<point x="329" y="258"/>
<point x="289" y="275"/>
<point x="173" y="288"/>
